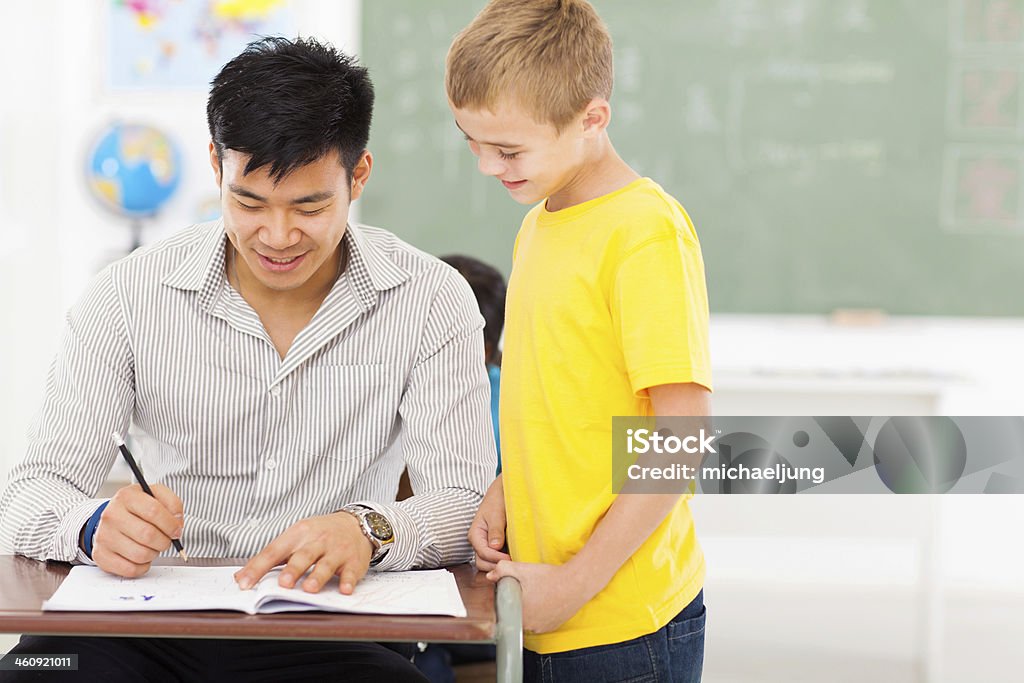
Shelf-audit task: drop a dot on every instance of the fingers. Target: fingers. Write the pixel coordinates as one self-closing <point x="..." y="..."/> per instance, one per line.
<point x="486" y="556"/>
<point x="146" y="507"/>
<point x="349" y="572"/>
<point x="486" y="564"/>
<point x="276" y="552"/>
<point x="134" y="528"/>
<point x="141" y="532"/>
<point x="478" y="536"/>
<point x="119" y="554"/>
<point x="301" y="560"/>
<point x="490" y="528"/>
<point x="503" y="568"/>
<point x="322" y="546"/>
<point x="482" y="536"/>
<point x="117" y="565"/>
<point x="352" y="573"/>
<point x="496" y="535"/>
<point x="116" y="542"/>
<point x="169" y="499"/>
<point x="325" y="568"/>
<point x="487" y="532"/>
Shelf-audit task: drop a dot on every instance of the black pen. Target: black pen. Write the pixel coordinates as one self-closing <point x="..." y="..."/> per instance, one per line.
<point x="142" y="482"/>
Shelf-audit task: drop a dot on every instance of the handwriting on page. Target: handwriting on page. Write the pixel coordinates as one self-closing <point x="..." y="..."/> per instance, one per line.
<point x="418" y="592"/>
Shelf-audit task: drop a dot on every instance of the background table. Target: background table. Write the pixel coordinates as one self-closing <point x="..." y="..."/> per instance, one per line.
<point x="492" y="616"/>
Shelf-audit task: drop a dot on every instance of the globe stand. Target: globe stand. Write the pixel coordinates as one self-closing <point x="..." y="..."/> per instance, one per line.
<point x="136" y="228"/>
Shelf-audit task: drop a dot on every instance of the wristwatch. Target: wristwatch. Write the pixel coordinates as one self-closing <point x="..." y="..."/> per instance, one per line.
<point x="376" y="528"/>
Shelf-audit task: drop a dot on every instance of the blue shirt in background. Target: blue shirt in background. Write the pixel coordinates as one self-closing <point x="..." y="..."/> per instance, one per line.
<point x="494" y="374"/>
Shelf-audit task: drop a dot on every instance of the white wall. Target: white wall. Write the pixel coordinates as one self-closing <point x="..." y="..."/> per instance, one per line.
<point x="795" y="365"/>
<point x="839" y="587"/>
<point x="31" y="278"/>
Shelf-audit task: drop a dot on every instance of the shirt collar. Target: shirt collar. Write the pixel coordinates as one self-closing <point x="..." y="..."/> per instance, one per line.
<point x="371" y="268"/>
<point x="381" y="267"/>
<point x="202" y="269"/>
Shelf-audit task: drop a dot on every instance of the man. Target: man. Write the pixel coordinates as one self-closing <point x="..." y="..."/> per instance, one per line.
<point x="267" y="362"/>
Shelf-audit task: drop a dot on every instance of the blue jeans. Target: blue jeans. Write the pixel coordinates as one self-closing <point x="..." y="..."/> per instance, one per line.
<point x="672" y="654"/>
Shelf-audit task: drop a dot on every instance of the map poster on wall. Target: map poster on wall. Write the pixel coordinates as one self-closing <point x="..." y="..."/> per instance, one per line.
<point x="183" y="43"/>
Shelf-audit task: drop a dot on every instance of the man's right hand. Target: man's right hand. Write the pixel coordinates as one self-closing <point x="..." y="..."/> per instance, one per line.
<point x="487" y="532"/>
<point x="136" y="527"/>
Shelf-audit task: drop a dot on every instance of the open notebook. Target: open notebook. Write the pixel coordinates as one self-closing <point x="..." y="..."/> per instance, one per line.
<point x="165" y="588"/>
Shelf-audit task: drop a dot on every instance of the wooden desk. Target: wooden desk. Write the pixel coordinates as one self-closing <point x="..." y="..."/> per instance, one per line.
<point x="492" y="616"/>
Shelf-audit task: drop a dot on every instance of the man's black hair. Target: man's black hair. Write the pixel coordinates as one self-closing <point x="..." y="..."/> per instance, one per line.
<point x="488" y="286"/>
<point x="288" y="103"/>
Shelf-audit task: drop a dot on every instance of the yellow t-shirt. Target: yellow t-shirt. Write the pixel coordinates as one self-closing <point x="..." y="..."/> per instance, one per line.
<point x="606" y="298"/>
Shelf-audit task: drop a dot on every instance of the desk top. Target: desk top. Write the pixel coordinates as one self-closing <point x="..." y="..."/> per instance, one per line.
<point x="26" y="583"/>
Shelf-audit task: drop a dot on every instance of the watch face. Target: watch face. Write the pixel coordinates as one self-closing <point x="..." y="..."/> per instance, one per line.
<point x="380" y="527"/>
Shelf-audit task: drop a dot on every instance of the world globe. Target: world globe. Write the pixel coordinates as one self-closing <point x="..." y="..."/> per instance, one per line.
<point x="133" y="169"/>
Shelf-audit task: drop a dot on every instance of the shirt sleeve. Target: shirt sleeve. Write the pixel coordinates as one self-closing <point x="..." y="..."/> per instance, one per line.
<point x="89" y="394"/>
<point x="660" y="312"/>
<point x="447" y="436"/>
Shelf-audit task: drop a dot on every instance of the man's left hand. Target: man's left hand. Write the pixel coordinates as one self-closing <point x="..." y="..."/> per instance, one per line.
<point x="331" y="544"/>
<point x="551" y="596"/>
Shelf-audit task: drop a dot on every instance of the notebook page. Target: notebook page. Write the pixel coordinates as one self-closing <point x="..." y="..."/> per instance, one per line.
<point x="88" y="589"/>
<point x="413" y="592"/>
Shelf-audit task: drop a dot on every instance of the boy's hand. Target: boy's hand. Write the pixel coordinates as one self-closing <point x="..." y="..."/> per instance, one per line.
<point x="134" y="528"/>
<point x="551" y="594"/>
<point x="487" y="532"/>
<point x="331" y="544"/>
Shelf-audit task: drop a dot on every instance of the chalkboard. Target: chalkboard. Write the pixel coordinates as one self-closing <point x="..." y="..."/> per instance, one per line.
<point x="832" y="153"/>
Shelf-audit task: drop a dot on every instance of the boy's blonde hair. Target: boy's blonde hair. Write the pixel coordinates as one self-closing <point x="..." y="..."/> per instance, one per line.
<point x="549" y="56"/>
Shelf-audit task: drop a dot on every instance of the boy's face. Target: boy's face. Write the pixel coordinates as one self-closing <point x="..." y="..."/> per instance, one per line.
<point x="531" y="159"/>
<point x="287" y="234"/>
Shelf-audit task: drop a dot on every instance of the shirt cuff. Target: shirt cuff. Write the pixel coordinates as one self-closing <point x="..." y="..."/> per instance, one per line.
<point x="90" y="528"/>
<point x="70" y="530"/>
<point x="403" y="551"/>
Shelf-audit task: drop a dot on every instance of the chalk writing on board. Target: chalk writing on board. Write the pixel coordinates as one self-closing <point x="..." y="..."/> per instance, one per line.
<point x="853" y="17"/>
<point x="701" y="116"/>
<point x="773" y="105"/>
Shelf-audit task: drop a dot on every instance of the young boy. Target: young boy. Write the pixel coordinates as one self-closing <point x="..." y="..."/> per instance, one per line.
<point x="606" y="315"/>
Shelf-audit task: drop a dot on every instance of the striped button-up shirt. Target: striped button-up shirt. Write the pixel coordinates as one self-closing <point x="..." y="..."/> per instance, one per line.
<point x="252" y="442"/>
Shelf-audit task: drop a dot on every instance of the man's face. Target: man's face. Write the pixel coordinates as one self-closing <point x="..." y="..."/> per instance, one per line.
<point x="531" y="159"/>
<point x="287" y="234"/>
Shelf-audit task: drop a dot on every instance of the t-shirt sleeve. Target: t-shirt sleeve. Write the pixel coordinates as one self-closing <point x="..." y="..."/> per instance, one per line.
<point x="660" y="310"/>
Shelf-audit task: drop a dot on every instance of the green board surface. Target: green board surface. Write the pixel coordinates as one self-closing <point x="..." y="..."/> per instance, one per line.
<point x="832" y="153"/>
